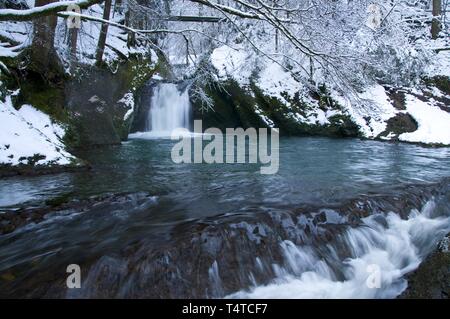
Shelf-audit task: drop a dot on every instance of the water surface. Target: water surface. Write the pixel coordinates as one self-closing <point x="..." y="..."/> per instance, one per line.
<point x="158" y="195"/>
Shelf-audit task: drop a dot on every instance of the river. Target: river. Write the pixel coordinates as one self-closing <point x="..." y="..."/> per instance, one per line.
<point x="338" y="211"/>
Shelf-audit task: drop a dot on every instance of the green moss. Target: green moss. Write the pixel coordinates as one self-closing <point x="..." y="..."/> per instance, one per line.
<point x="342" y="125"/>
<point x="224" y="114"/>
<point x="44" y="97"/>
<point x="72" y="138"/>
<point x="140" y="69"/>
<point x="442" y="82"/>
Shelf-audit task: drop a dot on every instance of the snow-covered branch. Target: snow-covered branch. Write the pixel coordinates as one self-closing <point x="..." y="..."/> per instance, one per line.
<point x="51" y="8"/>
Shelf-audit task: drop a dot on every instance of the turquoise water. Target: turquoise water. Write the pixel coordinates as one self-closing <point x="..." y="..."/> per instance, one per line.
<point x="158" y="195"/>
<point x="312" y="171"/>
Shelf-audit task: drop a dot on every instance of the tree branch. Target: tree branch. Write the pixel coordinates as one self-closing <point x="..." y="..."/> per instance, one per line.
<point x="36" y="12"/>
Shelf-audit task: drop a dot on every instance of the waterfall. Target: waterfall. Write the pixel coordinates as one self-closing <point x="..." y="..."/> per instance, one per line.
<point x="169" y="110"/>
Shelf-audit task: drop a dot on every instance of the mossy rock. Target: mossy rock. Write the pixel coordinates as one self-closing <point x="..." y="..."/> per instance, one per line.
<point x="93" y="95"/>
<point x="46" y="98"/>
<point x="224" y="115"/>
<point x="432" y="279"/>
<point x="236" y="106"/>
<point x="441" y="82"/>
<point x="399" y="124"/>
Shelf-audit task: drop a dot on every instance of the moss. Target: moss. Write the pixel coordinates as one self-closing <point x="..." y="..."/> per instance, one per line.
<point x="442" y="82"/>
<point x="140" y="69"/>
<point x="45" y="97"/>
<point x="227" y="102"/>
<point x="342" y="125"/>
<point x="72" y="138"/>
<point x="431" y="280"/>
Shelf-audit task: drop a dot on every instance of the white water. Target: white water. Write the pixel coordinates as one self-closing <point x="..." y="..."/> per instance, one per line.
<point x="382" y="251"/>
<point x="169" y="111"/>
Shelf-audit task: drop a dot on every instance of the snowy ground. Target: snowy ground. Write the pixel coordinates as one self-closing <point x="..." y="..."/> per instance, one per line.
<point x="28" y="133"/>
<point x="434" y="123"/>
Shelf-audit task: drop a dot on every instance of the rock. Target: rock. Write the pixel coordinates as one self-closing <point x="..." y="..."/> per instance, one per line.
<point x="249" y="107"/>
<point x="225" y="113"/>
<point x="432" y="279"/>
<point x="397" y="97"/>
<point x="399" y="124"/>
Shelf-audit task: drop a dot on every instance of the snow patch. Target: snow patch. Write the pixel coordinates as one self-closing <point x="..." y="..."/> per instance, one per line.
<point x="28" y="132"/>
<point x="370" y="110"/>
<point x="434" y="123"/>
<point x="128" y="101"/>
<point x="232" y="63"/>
<point x="274" y="81"/>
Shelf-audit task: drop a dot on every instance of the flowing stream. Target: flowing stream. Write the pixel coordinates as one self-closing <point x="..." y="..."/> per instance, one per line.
<point x="342" y="218"/>
<point x="141" y="226"/>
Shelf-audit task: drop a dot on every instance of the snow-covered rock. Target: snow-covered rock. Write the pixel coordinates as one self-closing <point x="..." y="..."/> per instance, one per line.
<point x="28" y="133"/>
<point x="370" y="110"/>
<point x="434" y="123"/>
<point x="274" y="80"/>
<point x="232" y="63"/>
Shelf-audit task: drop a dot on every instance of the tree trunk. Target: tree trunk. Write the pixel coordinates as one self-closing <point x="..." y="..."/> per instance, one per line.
<point x="44" y="58"/>
<point x="436" y="24"/>
<point x="103" y="33"/>
<point x="73" y="36"/>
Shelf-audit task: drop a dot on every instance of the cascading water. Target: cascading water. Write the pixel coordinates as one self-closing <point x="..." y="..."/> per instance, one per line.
<point x="170" y="109"/>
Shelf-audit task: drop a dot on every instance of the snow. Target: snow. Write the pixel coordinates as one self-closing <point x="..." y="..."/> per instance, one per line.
<point x="16" y="31"/>
<point x="373" y="103"/>
<point x="27" y="132"/>
<point x="157" y="77"/>
<point x="27" y="12"/>
<point x="232" y="63"/>
<point x="274" y="80"/>
<point x="319" y="117"/>
<point x="434" y="123"/>
<point x="263" y="117"/>
<point x="116" y="41"/>
<point x="7" y="51"/>
<point x="128" y="101"/>
<point x="441" y="62"/>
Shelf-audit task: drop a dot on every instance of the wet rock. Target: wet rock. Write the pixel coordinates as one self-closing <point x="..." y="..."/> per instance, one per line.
<point x="432" y="279"/>
<point x="14" y="219"/>
<point x="214" y="256"/>
<point x="35" y="170"/>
